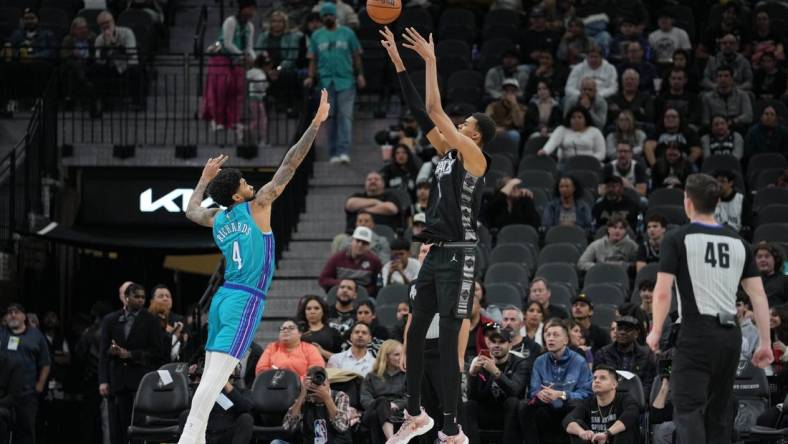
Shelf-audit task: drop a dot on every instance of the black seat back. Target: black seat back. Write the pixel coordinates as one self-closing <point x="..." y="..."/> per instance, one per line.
<point x="155" y="398"/>
<point x="274" y="391"/>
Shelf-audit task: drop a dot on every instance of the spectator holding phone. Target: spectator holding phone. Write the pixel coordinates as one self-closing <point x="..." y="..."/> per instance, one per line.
<point x="322" y="414"/>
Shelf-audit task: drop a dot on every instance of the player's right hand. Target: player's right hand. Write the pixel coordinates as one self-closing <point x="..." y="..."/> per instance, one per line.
<point x="213" y="166"/>
<point x="653" y="340"/>
<point x="763" y="356"/>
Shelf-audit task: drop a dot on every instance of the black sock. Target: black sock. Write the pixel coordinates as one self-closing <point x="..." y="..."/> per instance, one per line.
<point x="449" y="371"/>
<point x="449" y="425"/>
<point x="419" y="324"/>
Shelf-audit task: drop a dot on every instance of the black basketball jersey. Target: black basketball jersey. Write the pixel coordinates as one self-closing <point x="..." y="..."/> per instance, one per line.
<point x="455" y="199"/>
<point x="708" y="261"/>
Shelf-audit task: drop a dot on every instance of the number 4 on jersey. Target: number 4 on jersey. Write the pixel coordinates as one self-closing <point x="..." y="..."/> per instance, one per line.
<point x="237" y="255"/>
<point x="717" y="255"/>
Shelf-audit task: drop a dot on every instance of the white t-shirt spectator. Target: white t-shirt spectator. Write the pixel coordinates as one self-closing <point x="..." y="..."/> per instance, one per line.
<point x="346" y="361"/>
<point x="411" y="272"/>
<point x="665" y="43"/>
<point x="570" y="143"/>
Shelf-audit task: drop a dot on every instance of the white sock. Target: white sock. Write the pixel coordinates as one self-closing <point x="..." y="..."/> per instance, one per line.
<point x="213" y="379"/>
<point x="201" y="433"/>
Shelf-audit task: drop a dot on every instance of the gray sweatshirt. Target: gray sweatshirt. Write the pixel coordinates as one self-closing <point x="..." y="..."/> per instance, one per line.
<point x="602" y="250"/>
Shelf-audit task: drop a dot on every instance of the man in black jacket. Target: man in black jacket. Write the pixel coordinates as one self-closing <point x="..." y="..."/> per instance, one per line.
<point x="496" y="383"/>
<point x="582" y="311"/>
<point x="132" y="344"/>
<point x="626" y="354"/>
<point x="11" y="383"/>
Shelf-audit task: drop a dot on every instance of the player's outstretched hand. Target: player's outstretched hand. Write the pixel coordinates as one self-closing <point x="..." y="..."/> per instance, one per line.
<point x="390" y="45"/>
<point x="763" y="356"/>
<point x="323" y="108"/>
<point x="414" y="41"/>
<point x="213" y="166"/>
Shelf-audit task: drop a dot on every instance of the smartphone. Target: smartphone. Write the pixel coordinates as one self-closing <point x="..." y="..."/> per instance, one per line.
<point x="485" y="353"/>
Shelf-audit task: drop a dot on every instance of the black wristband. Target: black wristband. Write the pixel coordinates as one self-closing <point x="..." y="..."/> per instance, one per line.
<point x="415" y="102"/>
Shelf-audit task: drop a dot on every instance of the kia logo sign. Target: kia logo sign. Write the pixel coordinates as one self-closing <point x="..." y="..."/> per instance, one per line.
<point x="175" y="201"/>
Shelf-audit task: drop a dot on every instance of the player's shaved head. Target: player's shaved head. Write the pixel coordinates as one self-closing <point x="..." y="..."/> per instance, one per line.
<point x="224" y="186"/>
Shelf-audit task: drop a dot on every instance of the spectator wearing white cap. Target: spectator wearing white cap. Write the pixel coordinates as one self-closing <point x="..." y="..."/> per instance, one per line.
<point x="356" y="263"/>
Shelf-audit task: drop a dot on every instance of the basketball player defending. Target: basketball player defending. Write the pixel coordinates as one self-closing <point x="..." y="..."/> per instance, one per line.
<point x="243" y="233"/>
<point x="445" y="282"/>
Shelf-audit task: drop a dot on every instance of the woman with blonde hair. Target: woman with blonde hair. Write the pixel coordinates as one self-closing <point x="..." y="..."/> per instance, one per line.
<point x="626" y="130"/>
<point x="383" y="393"/>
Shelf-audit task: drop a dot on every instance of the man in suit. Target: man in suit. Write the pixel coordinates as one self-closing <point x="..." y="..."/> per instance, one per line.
<point x="132" y="344"/>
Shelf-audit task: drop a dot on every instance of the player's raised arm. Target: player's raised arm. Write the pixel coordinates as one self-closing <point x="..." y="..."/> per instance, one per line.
<point x="411" y="96"/>
<point x="472" y="157"/>
<point x="194" y="211"/>
<point x="295" y="155"/>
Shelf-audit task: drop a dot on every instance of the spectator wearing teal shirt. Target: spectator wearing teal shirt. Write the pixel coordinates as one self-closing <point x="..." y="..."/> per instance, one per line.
<point x="335" y="56"/>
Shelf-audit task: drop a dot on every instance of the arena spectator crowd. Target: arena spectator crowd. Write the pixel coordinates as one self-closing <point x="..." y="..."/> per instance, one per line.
<point x="603" y="109"/>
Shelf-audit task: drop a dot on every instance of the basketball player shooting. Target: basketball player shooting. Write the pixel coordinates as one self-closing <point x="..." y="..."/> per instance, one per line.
<point x="243" y="233"/>
<point x="446" y="279"/>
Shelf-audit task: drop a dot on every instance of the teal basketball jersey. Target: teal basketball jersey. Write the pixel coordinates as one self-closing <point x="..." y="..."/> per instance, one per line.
<point x="249" y="253"/>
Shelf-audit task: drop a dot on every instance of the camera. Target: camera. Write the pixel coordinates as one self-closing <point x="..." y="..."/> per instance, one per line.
<point x="317" y="375"/>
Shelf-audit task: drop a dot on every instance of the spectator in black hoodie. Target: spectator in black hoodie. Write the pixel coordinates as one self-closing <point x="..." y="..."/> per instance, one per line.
<point x="626" y="354"/>
<point x="511" y="204"/>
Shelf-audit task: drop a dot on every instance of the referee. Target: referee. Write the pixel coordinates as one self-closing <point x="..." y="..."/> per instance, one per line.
<point x="707" y="262"/>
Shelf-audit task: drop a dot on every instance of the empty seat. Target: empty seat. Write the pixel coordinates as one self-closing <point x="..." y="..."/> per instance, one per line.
<point x="385" y="231"/>
<point x="464" y="80"/>
<point x="456" y="23"/>
<point x="392" y="294"/>
<point x="583" y="163"/>
<point x="502" y="162"/>
<point x="773" y="214"/>
<point x="518" y="233"/>
<point x="752" y="394"/>
<point x="765" y="178"/>
<point x="386" y="314"/>
<point x="648" y="272"/>
<point x="540" y="198"/>
<point x="503" y="145"/>
<point x="719" y="162"/>
<point x="567" y="234"/>
<point x="666" y="196"/>
<point x="560" y="294"/>
<point x="764" y="161"/>
<point x="604" y="315"/>
<point x="608" y="274"/>
<point x="522" y="254"/>
<point x="771" y="233"/>
<point x="501" y="17"/>
<point x="273" y="392"/>
<point x="674" y="214"/>
<point x="509" y="273"/>
<point x="606" y="294"/>
<point x="160" y="405"/>
<point x="770" y="196"/>
<point x="418" y="18"/>
<point x="176" y="367"/>
<point x="453" y="48"/>
<point x="9" y="20"/>
<point x="560" y="273"/>
<point x="56" y="20"/>
<point x="564" y="253"/>
<point x="539" y="163"/>
<point x="536" y="179"/>
<point x="493" y="178"/>
<point x="589" y="180"/>
<point x="503" y="294"/>
<point x="361" y="294"/>
<point x="491" y="52"/>
<point x="533" y="145"/>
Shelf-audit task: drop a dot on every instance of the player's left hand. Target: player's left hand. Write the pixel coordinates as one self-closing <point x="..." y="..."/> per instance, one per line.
<point x="653" y="340"/>
<point x="414" y="41"/>
<point x="763" y="356"/>
<point x="213" y="166"/>
<point x="322" y="110"/>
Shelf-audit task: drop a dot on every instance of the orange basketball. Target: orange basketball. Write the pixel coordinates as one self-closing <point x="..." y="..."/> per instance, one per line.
<point x="384" y="11"/>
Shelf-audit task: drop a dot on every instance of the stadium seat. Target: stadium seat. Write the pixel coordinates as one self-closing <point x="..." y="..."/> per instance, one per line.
<point x="533" y="145"/>
<point x="500" y="23"/>
<point x="605" y="294"/>
<point x="392" y="294"/>
<point x="160" y="408"/>
<point x="522" y="254"/>
<point x="385" y="231"/>
<point x="770" y="196"/>
<point x="604" y="315"/>
<point x="90" y="15"/>
<point x="466" y="86"/>
<point x="608" y="274"/>
<point x="176" y="367"/>
<point x="666" y="196"/>
<point x="536" y="179"/>
<point x="361" y="295"/>
<point x="751" y="392"/>
<point x="562" y="253"/>
<point x="505" y="146"/>
<point x="766" y="178"/>
<point x="386" y="314"/>
<point x="561" y="273"/>
<point x="273" y="392"/>
<point x="502" y="162"/>
<point x="491" y="52"/>
<point x="560" y="294"/>
<point x="457" y="23"/>
<point x="56" y="20"/>
<point x="764" y="161"/>
<point x="589" y="180"/>
<point x="773" y="214"/>
<point x="9" y="20"/>
<point x="648" y="272"/>
<point x="453" y="48"/>
<point x="673" y="213"/>
<point x="567" y="234"/>
<point x="631" y="384"/>
<point x="367" y="29"/>
<point x="538" y="163"/>
<point x="540" y="199"/>
<point x="518" y="234"/>
<point x="418" y="18"/>
<point x="683" y="18"/>
<point x="721" y="162"/>
<point x="764" y="434"/>
<point x="503" y="294"/>
<point x="583" y="163"/>
<point x="492" y="179"/>
<point x="771" y="233"/>
<point x="509" y="273"/>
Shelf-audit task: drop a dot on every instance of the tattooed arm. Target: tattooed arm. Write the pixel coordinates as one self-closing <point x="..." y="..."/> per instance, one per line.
<point x="195" y="212"/>
<point x="270" y="191"/>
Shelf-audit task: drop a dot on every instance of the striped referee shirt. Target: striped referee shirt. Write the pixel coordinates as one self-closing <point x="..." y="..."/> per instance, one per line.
<point x="708" y="261"/>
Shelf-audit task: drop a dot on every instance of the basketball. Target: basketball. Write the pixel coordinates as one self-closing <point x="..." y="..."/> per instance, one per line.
<point x="384" y="11"/>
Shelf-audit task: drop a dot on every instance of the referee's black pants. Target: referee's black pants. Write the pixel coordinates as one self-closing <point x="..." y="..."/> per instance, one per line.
<point x="704" y="370"/>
